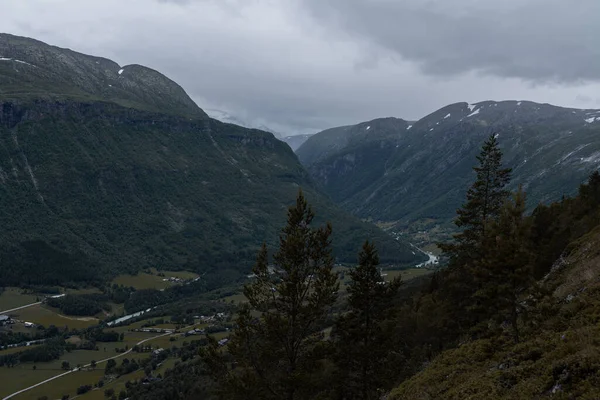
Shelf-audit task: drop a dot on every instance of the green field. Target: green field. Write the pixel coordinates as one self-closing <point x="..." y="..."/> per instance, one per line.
<point x="14" y="379"/>
<point x="235" y="299"/>
<point x="23" y="375"/>
<point x="13" y="298"/>
<point x="68" y="384"/>
<point x="42" y="315"/>
<point x="176" y="274"/>
<point x="142" y="281"/>
<point x="145" y="280"/>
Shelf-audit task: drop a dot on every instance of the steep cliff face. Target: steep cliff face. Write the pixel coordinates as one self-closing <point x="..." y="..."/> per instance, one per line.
<point x="106" y="168"/>
<point x="420" y="171"/>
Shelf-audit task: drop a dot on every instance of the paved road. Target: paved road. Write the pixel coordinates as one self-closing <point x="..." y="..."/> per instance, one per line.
<point x="85" y="366"/>
<point x="19" y="308"/>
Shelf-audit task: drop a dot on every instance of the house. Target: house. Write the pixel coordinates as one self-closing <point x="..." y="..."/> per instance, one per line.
<point x="4" y="320"/>
<point x="158" y="351"/>
<point x="29" y="324"/>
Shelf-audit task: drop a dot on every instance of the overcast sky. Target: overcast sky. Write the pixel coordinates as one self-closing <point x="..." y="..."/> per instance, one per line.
<point x="304" y="65"/>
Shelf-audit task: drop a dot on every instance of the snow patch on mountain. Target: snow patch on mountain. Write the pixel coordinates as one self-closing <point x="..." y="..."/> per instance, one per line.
<point x="19" y="61"/>
<point x="594" y="158"/>
<point x="474" y="113"/>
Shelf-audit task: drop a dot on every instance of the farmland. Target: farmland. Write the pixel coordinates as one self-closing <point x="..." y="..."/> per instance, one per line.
<point x="43" y="315"/>
<point x="153" y="280"/>
<point x="13" y="297"/>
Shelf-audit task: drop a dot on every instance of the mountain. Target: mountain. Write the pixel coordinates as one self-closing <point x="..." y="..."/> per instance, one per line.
<point x="414" y="175"/>
<point x="297" y="140"/>
<point x="227" y="118"/>
<point x="294" y="141"/>
<point x="107" y="168"/>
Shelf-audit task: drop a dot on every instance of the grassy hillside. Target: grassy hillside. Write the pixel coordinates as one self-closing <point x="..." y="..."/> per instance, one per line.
<point x="560" y="357"/>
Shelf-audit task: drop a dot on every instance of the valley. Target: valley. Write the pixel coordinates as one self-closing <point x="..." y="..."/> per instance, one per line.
<point x="411" y="176"/>
<point x="151" y="250"/>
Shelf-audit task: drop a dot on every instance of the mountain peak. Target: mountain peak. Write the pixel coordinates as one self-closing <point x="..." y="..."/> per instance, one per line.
<point x="30" y="69"/>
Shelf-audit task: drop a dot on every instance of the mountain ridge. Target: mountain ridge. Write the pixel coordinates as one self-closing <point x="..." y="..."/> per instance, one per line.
<point x="416" y="173"/>
<point x="95" y="184"/>
<point x="31" y="69"/>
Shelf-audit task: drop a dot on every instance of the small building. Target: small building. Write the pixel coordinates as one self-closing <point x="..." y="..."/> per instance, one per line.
<point x="223" y="342"/>
<point x="4" y="320"/>
<point x="29" y="324"/>
<point x="158" y="351"/>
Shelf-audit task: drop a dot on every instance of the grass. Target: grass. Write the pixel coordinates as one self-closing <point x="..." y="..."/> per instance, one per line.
<point x="42" y="315"/>
<point x="23" y="375"/>
<point x="13" y="298"/>
<point x="144" y="280"/>
<point x="176" y="274"/>
<point x="14" y="379"/>
<point x="68" y="384"/>
<point x="235" y="299"/>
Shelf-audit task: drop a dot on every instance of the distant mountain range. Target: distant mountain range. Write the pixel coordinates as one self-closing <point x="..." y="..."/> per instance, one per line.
<point x="294" y="141"/>
<point x="107" y="168"/>
<point x="414" y="175"/>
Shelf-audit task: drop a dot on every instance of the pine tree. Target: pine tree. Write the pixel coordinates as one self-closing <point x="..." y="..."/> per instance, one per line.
<point x="506" y="270"/>
<point x="272" y="345"/>
<point x="363" y="355"/>
<point x="484" y="201"/>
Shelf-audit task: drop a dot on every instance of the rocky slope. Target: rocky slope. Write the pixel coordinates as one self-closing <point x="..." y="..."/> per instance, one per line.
<point x="417" y="173"/>
<point x="106" y="168"/>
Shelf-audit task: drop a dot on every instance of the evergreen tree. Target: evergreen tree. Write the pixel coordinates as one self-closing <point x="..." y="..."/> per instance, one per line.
<point x="484" y="201"/>
<point x="506" y="270"/>
<point x="276" y="334"/>
<point x="364" y="355"/>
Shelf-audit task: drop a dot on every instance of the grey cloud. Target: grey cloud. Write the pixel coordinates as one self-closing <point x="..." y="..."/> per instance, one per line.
<point x="537" y="40"/>
<point x="304" y="65"/>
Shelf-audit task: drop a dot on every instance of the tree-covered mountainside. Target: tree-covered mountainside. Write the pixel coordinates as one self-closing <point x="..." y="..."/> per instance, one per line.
<point x="524" y="327"/>
<point x="94" y="181"/>
<point x="397" y="171"/>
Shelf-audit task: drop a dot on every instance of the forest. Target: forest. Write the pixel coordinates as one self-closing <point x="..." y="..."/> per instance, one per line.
<point x="492" y="300"/>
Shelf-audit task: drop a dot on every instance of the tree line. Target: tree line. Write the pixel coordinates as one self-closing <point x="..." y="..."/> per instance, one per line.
<point x="293" y="340"/>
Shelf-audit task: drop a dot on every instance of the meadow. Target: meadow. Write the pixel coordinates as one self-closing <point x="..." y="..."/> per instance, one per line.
<point x="43" y="315"/>
<point x="144" y="280"/>
<point x="13" y="297"/>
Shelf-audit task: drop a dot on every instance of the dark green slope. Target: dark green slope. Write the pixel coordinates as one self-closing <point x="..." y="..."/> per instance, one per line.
<point x="95" y="186"/>
<point x="421" y="173"/>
